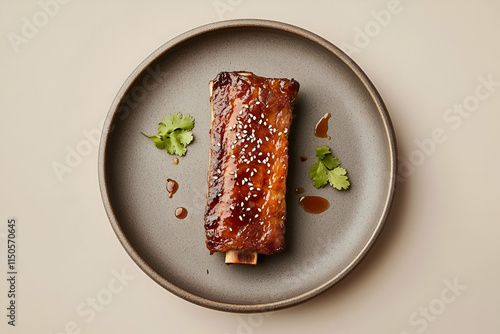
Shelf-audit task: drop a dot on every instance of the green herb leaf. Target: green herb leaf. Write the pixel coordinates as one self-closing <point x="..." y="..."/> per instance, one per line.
<point x="327" y="170"/>
<point x="178" y="121"/>
<point x="338" y="179"/>
<point x="158" y="140"/>
<point x="174" y="133"/>
<point x="318" y="174"/>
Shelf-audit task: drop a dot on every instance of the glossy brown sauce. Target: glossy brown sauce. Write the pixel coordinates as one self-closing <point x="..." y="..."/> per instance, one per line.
<point x="314" y="204"/>
<point x="322" y="127"/>
<point x="303" y="158"/>
<point x="299" y="190"/>
<point x="181" y="213"/>
<point x="172" y="187"/>
<point x="176" y="161"/>
<point x="251" y="120"/>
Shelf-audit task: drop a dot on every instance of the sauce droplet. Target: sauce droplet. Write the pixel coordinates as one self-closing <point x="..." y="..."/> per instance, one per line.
<point x="322" y="127"/>
<point x="175" y="161"/>
<point x="299" y="190"/>
<point x="303" y="158"/>
<point x="172" y="187"/>
<point x="181" y="213"/>
<point x="314" y="204"/>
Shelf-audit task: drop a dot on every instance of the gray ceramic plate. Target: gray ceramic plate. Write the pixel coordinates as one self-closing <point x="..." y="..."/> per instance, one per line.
<point x="322" y="248"/>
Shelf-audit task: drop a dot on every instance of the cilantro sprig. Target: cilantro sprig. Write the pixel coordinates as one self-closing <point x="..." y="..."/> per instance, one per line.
<point x="328" y="170"/>
<point x="174" y="133"/>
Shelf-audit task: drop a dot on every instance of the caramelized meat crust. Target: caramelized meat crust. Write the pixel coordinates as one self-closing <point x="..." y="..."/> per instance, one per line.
<point x="251" y="119"/>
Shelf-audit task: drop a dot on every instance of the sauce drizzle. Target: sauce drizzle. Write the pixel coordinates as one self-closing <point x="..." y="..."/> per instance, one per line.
<point x="181" y="213"/>
<point x="322" y="127"/>
<point x="314" y="204"/>
<point x="299" y="190"/>
<point x="172" y="187"/>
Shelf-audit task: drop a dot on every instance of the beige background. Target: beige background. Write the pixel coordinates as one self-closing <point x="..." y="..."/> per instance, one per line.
<point x="425" y="57"/>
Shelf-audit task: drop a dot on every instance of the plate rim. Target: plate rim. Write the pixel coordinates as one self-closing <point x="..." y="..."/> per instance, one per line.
<point x="231" y="24"/>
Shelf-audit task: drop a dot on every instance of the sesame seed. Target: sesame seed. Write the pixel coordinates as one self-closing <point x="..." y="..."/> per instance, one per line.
<point x="268" y="171"/>
<point x="260" y="153"/>
<point x="279" y="133"/>
<point x="230" y="229"/>
<point x="241" y="218"/>
<point x="254" y="195"/>
<point x="241" y="112"/>
<point x="270" y="186"/>
<point x="258" y="102"/>
<point x="219" y="144"/>
<point x="250" y="183"/>
<point x="233" y="156"/>
<point x="258" y="189"/>
<point x="267" y="139"/>
<point x="286" y="130"/>
<point x="260" y="122"/>
<point x="251" y="188"/>
<point x="216" y="177"/>
<point x="248" y="209"/>
<point x="256" y="216"/>
<point x="232" y="207"/>
<point x="259" y="209"/>
<point x="252" y="173"/>
<point x="268" y="164"/>
<point x="242" y="203"/>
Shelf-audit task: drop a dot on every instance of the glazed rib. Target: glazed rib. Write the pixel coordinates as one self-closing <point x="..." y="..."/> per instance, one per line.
<point x="246" y="207"/>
